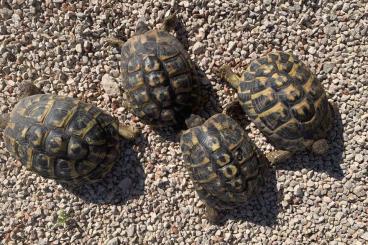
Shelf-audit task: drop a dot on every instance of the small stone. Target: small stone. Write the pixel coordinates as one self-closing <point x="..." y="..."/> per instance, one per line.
<point x="359" y="191"/>
<point x="110" y="86"/>
<point x="231" y="46"/>
<point x="131" y="230"/>
<point x="298" y="191"/>
<point x="312" y="50"/>
<point x="364" y="236"/>
<point x="327" y="67"/>
<point x="79" y="48"/>
<point x="198" y="48"/>
<point x="359" y="158"/>
<point x="113" y="241"/>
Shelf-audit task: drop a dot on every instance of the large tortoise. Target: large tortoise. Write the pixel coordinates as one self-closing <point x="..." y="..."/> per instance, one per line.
<point x="62" y="138"/>
<point x="161" y="82"/>
<point x="224" y="164"/>
<point x="286" y="102"/>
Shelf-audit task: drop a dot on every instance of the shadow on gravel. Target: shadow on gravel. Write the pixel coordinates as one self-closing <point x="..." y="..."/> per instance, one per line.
<point x="262" y="209"/>
<point x="329" y="163"/>
<point x="211" y="107"/>
<point x="124" y="182"/>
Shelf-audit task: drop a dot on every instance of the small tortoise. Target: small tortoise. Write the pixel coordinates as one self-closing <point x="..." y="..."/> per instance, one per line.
<point x="224" y="164"/>
<point x="160" y="81"/>
<point x="286" y="102"/>
<point x="62" y="138"/>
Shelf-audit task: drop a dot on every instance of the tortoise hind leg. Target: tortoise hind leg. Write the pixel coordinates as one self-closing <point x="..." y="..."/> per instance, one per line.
<point x="214" y="216"/>
<point x="235" y="111"/>
<point x="278" y="156"/>
<point x="4" y="119"/>
<point x="128" y="132"/>
<point x="320" y="147"/>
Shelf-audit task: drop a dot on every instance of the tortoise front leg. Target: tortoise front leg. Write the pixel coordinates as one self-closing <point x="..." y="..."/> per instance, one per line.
<point x="213" y="215"/>
<point x="229" y="76"/>
<point x="113" y="41"/>
<point x="169" y="23"/>
<point x="28" y="89"/>
<point x="4" y="119"/>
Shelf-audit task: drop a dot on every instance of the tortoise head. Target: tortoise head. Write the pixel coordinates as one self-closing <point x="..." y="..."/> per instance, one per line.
<point x="27" y="89"/>
<point x="194" y="121"/>
<point x="141" y="26"/>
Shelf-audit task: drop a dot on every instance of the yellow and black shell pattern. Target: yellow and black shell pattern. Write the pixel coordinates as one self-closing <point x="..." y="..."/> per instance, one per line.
<point x="285" y="101"/>
<point x="222" y="161"/>
<point x="62" y="138"/>
<point x="159" y="79"/>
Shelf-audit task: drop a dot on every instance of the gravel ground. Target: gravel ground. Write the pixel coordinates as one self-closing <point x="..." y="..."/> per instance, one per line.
<point x="148" y="198"/>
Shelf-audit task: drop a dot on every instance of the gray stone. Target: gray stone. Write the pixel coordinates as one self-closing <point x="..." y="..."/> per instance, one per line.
<point x="231" y="46"/>
<point x="114" y="241"/>
<point x="359" y="158"/>
<point x="79" y="48"/>
<point x="198" y="48"/>
<point x="110" y="85"/>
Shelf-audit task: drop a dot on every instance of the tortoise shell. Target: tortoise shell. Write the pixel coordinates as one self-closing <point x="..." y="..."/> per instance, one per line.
<point x="159" y="78"/>
<point x="285" y="101"/>
<point x="222" y="161"/>
<point x="62" y="138"/>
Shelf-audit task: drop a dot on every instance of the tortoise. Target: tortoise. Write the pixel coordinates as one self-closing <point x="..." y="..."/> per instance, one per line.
<point x="161" y="83"/>
<point x="62" y="138"/>
<point x="225" y="166"/>
<point x="286" y="102"/>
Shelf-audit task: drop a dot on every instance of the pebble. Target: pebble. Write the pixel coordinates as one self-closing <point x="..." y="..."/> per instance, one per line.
<point x="231" y="46"/>
<point x="359" y="158"/>
<point x="110" y="86"/>
<point x="365" y="236"/>
<point x="131" y="230"/>
<point x="79" y="48"/>
<point x="198" y="48"/>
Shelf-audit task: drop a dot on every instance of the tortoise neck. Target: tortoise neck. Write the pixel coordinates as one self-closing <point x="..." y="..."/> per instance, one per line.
<point x="141" y="27"/>
<point x="194" y="121"/>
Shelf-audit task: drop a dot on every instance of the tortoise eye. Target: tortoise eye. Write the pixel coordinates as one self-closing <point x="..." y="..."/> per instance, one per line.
<point x="239" y="154"/>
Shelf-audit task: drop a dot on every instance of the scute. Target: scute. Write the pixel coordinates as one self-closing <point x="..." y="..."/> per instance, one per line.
<point x="219" y="175"/>
<point x="53" y="136"/>
<point x="281" y="95"/>
<point x="56" y="143"/>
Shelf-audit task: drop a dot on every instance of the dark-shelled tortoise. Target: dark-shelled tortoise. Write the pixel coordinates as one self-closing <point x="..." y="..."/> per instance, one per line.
<point x="224" y="164"/>
<point x="62" y="138"/>
<point x="286" y="102"/>
<point x="161" y="82"/>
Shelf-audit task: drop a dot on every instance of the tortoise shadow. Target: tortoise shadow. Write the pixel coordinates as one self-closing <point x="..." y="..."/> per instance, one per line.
<point x="329" y="163"/>
<point x="124" y="182"/>
<point x="209" y="108"/>
<point x="262" y="209"/>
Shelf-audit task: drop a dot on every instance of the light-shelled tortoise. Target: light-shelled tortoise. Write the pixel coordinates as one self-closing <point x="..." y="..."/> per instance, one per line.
<point x="161" y="82"/>
<point x="286" y="102"/>
<point x="62" y="138"/>
<point x="223" y="163"/>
